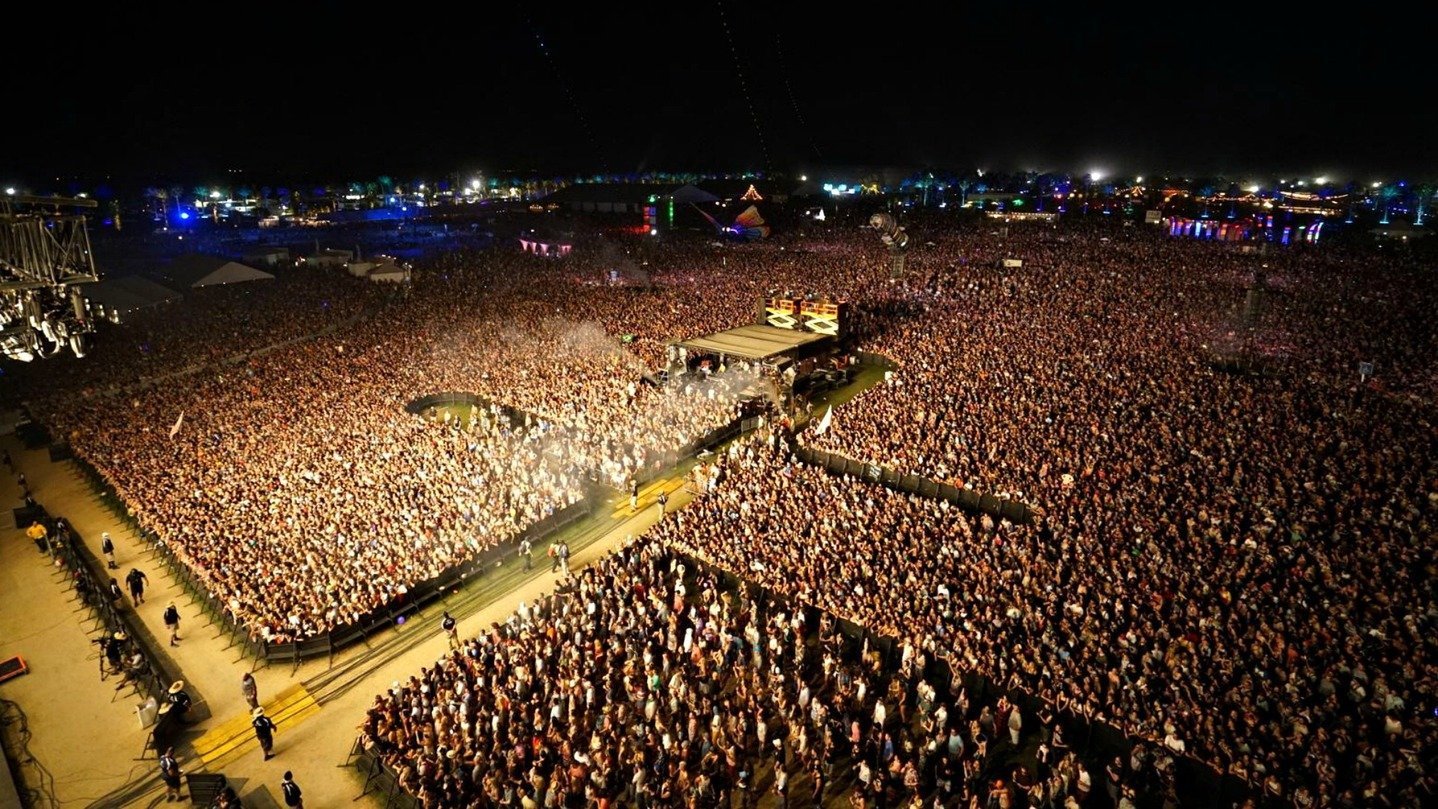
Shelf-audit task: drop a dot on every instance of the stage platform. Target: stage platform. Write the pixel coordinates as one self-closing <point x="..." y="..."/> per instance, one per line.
<point x="765" y="344"/>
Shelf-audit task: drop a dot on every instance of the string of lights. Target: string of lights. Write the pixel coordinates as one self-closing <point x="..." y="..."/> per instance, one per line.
<point x="744" y="85"/>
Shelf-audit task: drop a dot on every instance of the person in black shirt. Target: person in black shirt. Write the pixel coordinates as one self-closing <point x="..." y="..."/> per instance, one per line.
<point x="116" y="594"/>
<point x="170" y="774"/>
<point x="137" y="580"/>
<point x="172" y="623"/>
<point x="264" y="731"/>
<point x="293" y="794"/>
<point x="179" y="699"/>
<point x="451" y="632"/>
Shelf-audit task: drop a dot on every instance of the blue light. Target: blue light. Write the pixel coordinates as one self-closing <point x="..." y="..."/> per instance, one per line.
<point x="184" y="214"/>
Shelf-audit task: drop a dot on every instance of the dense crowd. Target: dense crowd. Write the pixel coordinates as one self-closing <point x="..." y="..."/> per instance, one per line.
<point x="1236" y="566"/>
<point x="302" y="493"/>
<point x="645" y="682"/>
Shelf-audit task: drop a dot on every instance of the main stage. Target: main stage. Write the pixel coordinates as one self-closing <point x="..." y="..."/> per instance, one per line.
<point x="764" y="344"/>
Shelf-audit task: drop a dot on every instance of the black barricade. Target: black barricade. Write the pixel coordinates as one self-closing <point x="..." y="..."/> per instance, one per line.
<point x="328" y="643"/>
<point x="1011" y="510"/>
<point x="1099" y="742"/>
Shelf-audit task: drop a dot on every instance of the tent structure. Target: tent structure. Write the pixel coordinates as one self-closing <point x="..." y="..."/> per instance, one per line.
<point x="128" y="294"/>
<point x="197" y="270"/>
<point x="761" y="343"/>
<point x="388" y="273"/>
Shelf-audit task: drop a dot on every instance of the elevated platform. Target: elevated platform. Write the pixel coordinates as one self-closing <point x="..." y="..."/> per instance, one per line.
<point x="765" y="344"/>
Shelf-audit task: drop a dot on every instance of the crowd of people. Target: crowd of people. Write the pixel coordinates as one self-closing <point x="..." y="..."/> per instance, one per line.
<point x="648" y="682"/>
<point x="1232" y="559"/>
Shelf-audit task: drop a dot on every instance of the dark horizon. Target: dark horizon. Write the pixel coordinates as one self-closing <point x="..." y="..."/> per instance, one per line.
<point x="335" y="92"/>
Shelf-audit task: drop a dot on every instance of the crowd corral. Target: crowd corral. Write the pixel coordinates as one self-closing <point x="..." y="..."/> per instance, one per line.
<point x="1231" y="563"/>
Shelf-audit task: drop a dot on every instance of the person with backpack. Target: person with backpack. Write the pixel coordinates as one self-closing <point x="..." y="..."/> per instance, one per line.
<point x="294" y="796"/>
<point x="170" y="774"/>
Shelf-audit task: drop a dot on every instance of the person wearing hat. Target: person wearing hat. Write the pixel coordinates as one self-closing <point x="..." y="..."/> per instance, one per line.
<point x="293" y="795"/>
<point x="170" y="774"/>
<point x="179" y="699"/>
<point x="107" y="547"/>
<point x="264" y="731"/>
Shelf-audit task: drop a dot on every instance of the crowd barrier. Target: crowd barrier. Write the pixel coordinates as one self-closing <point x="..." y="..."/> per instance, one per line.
<point x="1003" y="508"/>
<point x="421" y="594"/>
<point x="378" y="777"/>
<point x="328" y="643"/>
<point x="1197" y="783"/>
<point x="661" y="463"/>
<point x="90" y="579"/>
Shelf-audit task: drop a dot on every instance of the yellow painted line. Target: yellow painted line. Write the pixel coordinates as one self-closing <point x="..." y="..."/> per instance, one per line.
<point x="247" y="744"/>
<point x="223" y="732"/>
<point x="294" y="703"/>
<point x="648" y="496"/>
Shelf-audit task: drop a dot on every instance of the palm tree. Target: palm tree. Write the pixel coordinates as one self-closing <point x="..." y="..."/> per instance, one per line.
<point x="1387" y="193"/>
<point x="964" y="184"/>
<point x="161" y="196"/>
<point x="1425" y="193"/>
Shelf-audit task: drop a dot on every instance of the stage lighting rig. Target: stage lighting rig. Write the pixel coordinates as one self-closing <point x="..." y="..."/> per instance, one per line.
<point x="892" y="235"/>
<point x="45" y="257"/>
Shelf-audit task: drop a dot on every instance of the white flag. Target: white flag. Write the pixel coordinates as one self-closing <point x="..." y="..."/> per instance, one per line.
<point x="824" y="422"/>
<point x="178" y="422"/>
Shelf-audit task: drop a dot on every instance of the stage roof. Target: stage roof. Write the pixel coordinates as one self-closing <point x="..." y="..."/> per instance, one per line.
<point x="763" y="343"/>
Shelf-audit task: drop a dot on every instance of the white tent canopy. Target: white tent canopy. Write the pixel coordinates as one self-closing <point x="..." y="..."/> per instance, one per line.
<point x="196" y="270"/>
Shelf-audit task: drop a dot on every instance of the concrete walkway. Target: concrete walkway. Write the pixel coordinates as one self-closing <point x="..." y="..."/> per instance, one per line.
<point x="318" y="707"/>
<point x="85" y="735"/>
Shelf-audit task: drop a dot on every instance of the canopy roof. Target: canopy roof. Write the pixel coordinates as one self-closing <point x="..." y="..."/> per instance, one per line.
<point x="197" y="270"/>
<point x="129" y="293"/>
<point x="762" y="343"/>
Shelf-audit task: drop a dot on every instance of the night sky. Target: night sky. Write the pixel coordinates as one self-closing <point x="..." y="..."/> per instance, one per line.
<point x="334" y="92"/>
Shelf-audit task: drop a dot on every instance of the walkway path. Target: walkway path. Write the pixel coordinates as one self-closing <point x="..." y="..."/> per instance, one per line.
<point x="317" y="706"/>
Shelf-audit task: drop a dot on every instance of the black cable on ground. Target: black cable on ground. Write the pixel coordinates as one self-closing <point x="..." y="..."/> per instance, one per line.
<point x="15" y="729"/>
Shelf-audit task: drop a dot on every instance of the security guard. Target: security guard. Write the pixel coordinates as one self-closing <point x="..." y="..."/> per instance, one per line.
<point x="264" y="731"/>
<point x="451" y="630"/>
<point x="292" y="792"/>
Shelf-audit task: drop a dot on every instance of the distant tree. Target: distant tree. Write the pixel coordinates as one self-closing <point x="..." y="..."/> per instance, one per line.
<point x="1425" y="195"/>
<point x="160" y="198"/>
<point x="1387" y="194"/>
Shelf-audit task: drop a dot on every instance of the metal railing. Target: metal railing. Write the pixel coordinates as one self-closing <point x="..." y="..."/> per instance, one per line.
<point x="325" y="644"/>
